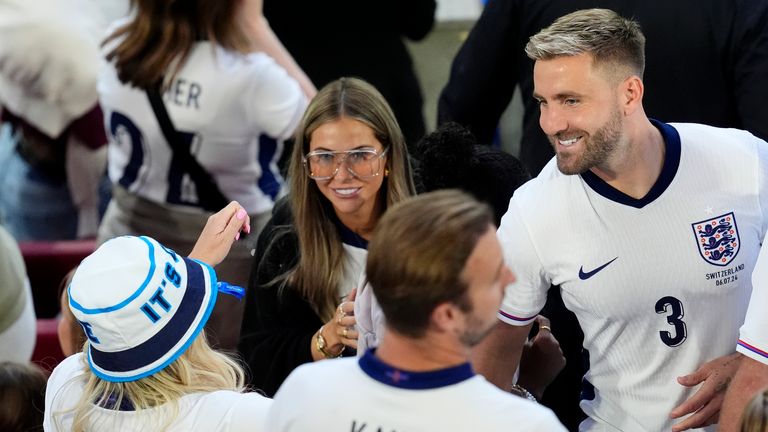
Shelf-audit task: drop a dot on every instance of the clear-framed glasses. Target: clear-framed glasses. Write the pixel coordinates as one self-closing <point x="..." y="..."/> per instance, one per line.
<point x="363" y="163"/>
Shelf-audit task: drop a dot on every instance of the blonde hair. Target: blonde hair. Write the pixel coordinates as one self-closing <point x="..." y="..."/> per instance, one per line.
<point x="200" y="369"/>
<point x="612" y="40"/>
<point x="755" y="417"/>
<point x="318" y="272"/>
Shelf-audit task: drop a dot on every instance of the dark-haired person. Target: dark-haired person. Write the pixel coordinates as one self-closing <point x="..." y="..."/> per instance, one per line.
<point x="650" y="229"/>
<point x="349" y="164"/>
<point x="229" y="108"/>
<point x="438" y="271"/>
<point x="22" y="397"/>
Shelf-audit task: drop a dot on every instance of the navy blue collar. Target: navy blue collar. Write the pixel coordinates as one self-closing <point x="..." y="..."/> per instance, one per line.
<point x="671" y="162"/>
<point x="348" y="236"/>
<point x="110" y="403"/>
<point x="391" y="376"/>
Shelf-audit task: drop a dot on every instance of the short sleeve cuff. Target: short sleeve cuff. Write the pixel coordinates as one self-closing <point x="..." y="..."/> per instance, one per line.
<point x="752" y="351"/>
<point x="515" y="319"/>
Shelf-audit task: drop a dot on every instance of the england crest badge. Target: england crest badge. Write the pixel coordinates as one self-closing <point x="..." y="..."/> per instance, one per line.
<point x="717" y="239"/>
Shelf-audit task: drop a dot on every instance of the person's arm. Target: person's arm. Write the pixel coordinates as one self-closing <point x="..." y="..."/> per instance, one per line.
<point x="750" y="379"/>
<point x="703" y="408"/>
<point x="221" y="230"/>
<point x="541" y="360"/>
<point x="266" y="40"/>
<point x="498" y="355"/>
<point x="753" y="344"/>
<point x="484" y="73"/>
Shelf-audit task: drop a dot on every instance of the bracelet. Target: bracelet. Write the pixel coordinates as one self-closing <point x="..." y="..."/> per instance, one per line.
<point x="523" y="393"/>
<point x="321" y="345"/>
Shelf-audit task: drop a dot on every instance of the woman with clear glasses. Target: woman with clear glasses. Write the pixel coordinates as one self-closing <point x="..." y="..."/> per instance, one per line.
<point x="349" y="163"/>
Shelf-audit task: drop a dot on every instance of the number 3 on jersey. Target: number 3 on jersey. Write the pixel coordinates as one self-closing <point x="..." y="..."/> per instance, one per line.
<point x="176" y="172"/>
<point x="674" y="310"/>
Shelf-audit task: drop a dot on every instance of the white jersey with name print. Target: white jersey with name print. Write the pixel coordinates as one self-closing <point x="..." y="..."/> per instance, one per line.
<point x="233" y="111"/>
<point x="660" y="285"/>
<point x="753" y="336"/>
<point x="366" y="395"/>
<point x="220" y="411"/>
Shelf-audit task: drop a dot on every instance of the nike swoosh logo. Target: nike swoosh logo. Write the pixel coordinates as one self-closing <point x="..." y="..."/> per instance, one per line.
<point x="586" y="275"/>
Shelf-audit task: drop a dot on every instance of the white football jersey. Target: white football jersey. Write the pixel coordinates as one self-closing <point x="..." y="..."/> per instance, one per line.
<point x="660" y="285"/>
<point x="220" y="411"/>
<point x="233" y="110"/>
<point x="365" y="395"/>
<point x="753" y="337"/>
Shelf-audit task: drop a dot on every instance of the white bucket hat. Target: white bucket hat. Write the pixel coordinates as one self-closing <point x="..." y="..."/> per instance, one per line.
<point x="141" y="306"/>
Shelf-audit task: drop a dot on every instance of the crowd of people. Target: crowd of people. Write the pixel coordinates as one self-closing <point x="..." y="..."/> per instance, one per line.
<point x="378" y="278"/>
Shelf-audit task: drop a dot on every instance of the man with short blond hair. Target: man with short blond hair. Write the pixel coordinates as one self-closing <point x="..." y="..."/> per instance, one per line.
<point x="650" y="229"/>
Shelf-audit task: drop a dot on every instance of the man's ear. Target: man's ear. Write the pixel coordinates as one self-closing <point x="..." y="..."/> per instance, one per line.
<point x="446" y="318"/>
<point x="631" y="92"/>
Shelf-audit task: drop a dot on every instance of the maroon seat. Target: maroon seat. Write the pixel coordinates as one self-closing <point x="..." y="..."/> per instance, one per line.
<point x="47" y="352"/>
<point x="47" y="263"/>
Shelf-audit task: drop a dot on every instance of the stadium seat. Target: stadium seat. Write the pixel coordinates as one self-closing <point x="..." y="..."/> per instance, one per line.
<point x="47" y="352"/>
<point x="47" y="263"/>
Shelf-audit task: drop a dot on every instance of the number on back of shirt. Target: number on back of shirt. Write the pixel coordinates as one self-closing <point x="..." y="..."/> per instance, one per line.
<point x="181" y="187"/>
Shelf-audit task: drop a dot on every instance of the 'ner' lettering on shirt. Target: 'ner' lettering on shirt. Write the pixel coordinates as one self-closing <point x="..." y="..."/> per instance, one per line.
<point x="184" y="93"/>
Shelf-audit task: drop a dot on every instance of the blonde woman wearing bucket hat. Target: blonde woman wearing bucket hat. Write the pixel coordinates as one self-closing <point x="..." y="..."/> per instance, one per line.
<point x="146" y="364"/>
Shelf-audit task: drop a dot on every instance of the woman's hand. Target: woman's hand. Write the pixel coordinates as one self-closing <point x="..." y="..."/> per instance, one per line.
<point x="342" y="325"/>
<point x="340" y="331"/>
<point x="542" y="360"/>
<point x="221" y="230"/>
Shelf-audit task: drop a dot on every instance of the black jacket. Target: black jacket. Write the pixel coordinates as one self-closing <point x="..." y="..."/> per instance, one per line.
<point x="278" y="323"/>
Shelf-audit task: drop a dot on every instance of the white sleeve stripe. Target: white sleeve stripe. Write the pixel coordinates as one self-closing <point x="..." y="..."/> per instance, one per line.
<point x="746" y="348"/>
<point x="514" y="320"/>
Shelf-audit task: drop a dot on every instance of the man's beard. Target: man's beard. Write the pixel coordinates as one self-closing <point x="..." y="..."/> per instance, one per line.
<point x="597" y="147"/>
<point x="475" y="332"/>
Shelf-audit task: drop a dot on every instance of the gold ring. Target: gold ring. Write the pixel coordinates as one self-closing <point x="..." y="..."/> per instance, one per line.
<point x="545" y="327"/>
<point x="344" y="333"/>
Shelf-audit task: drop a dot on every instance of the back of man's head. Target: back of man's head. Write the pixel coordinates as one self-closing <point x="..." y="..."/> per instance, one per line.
<point x="417" y="255"/>
<point x="614" y="42"/>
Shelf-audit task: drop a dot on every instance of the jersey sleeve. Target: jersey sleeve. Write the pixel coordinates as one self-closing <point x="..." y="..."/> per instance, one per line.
<point x="753" y="336"/>
<point x="276" y="102"/>
<point x="525" y="298"/>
